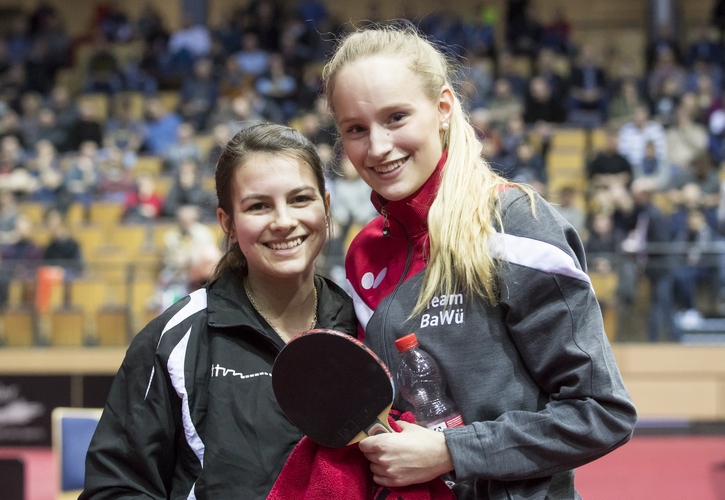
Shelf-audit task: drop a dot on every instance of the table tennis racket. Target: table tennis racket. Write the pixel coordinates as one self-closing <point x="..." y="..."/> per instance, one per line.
<point x="333" y="388"/>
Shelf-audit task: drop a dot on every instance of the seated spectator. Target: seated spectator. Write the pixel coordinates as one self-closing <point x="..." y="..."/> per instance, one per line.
<point x="567" y="208"/>
<point x="541" y="106"/>
<point x="608" y="166"/>
<point x="480" y="30"/>
<point x="476" y="81"/>
<point x="523" y="31"/>
<point x="252" y="59"/>
<point x="62" y="250"/>
<point x="602" y="243"/>
<point x="13" y="174"/>
<point x="546" y="69"/>
<point x="30" y="104"/>
<point x="666" y="68"/>
<point x="504" y="105"/>
<point x="233" y="81"/>
<point x="188" y="190"/>
<point x="705" y="47"/>
<point x="278" y="86"/>
<point x="10" y="127"/>
<point x="86" y="128"/>
<point x="555" y="34"/>
<point x="588" y="91"/>
<point x="143" y="204"/>
<point x="103" y="73"/>
<point x="633" y="139"/>
<point x="114" y="180"/>
<point x="18" y="258"/>
<point x="199" y="94"/>
<point x="665" y="105"/>
<point x="64" y="107"/>
<point x="46" y="171"/>
<point x="525" y="166"/>
<point x="506" y="69"/>
<point x="162" y="128"/>
<point x="514" y="134"/>
<point x="49" y="130"/>
<point x="624" y="102"/>
<point x="185" y="146"/>
<point x="181" y="244"/>
<point x="82" y="174"/>
<point x="664" y="40"/>
<point x="701" y="68"/>
<point x="700" y="173"/>
<point x="122" y="130"/>
<point x="686" y="140"/>
<point x="8" y="217"/>
<point x="220" y="136"/>
<point x="191" y="41"/>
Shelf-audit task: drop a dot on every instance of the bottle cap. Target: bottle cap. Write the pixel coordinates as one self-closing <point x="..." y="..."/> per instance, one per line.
<point x="405" y="343"/>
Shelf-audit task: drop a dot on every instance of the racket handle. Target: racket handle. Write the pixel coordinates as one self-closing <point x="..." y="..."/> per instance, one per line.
<point x="378" y="427"/>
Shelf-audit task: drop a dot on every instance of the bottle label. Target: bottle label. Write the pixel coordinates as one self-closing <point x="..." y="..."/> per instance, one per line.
<point x="450" y="422"/>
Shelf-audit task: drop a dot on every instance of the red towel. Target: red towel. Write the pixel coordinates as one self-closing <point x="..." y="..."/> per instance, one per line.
<point x="316" y="472"/>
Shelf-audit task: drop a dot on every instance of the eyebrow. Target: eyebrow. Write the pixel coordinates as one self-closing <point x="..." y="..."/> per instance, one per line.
<point x="262" y="196"/>
<point x="385" y="110"/>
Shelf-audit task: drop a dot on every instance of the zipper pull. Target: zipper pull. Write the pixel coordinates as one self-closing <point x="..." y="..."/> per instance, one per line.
<point x="386" y="228"/>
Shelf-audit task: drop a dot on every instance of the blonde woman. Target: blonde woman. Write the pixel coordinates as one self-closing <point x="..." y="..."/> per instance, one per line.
<point x="490" y="278"/>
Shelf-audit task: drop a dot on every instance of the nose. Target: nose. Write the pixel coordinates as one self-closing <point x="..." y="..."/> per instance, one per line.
<point x="380" y="143"/>
<point x="283" y="219"/>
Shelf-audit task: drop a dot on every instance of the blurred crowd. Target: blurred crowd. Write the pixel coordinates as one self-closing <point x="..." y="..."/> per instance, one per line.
<point x="652" y="205"/>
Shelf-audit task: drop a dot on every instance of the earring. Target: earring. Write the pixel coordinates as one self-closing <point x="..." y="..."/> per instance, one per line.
<point x="445" y="126"/>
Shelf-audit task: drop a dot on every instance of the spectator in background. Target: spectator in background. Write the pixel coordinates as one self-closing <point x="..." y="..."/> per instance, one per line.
<point x="664" y="40"/>
<point x="555" y="33"/>
<point x="20" y="257"/>
<point x="625" y="101"/>
<point x="705" y="47"/>
<point x="30" y="104"/>
<point x="278" y="86"/>
<point x="480" y="29"/>
<point x="87" y="127"/>
<point x="567" y="207"/>
<point x="199" y="94"/>
<point x="265" y="20"/>
<point x="608" y="166"/>
<point x="252" y="59"/>
<point x="545" y="68"/>
<point x="181" y="243"/>
<point x="192" y="41"/>
<point x="602" y="243"/>
<point x="506" y="69"/>
<point x="162" y="128"/>
<point x="666" y="69"/>
<point x="665" y="105"/>
<point x="49" y="130"/>
<point x="504" y="105"/>
<point x="10" y="127"/>
<point x="644" y="224"/>
<point x="588" y="91"/>
<point x="541" y="106"/>
<point x="523" y="34"/>
<point x="13" y="85"/>
<point x="81" y="177"/>
<point x="122" y="129"/>
<point x="525" y="166"/>
<point x="634" y="137"/>
<point x="476" y="81"/>
<point x="115" y="180"/>
<point x="686" y="140"/>
<point x="701" y="173"/>
<point x="143" y="204"/>
<point x="47" y="174"/>
<point x="103" y="73"/>
<point x="62" y="250"/>
<point x="8" y="217"/>
<point x="187" y="189"/>
<point x="186" y="146"/>
<point x="65" y="109"/>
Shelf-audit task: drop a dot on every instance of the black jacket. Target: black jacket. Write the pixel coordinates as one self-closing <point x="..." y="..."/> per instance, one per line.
<point x="191" y="413"/>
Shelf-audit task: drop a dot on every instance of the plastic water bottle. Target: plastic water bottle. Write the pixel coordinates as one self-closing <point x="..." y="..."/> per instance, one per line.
<point x="422" y="385"/>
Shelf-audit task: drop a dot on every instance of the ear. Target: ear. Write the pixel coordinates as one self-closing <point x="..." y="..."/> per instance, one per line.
<point x="224" y="222"/>
<point x="445" y="105"/>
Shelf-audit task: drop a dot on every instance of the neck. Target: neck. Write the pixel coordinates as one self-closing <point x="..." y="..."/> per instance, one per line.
<point x="288" y="305"/>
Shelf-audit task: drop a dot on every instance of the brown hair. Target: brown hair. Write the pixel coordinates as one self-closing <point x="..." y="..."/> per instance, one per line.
<point x="266" y="138"/>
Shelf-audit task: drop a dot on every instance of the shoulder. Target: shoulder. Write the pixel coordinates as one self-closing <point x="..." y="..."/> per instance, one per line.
<point x="335" y="309"/>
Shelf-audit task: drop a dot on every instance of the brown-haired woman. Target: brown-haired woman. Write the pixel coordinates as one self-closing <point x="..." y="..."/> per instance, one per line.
<point x="191" y="413"/>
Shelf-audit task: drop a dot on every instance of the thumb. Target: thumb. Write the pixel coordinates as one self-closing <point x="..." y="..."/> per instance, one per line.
<point x="407" y="426"/>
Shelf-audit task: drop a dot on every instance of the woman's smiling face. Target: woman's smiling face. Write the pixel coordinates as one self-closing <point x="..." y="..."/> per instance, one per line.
<point x="279" y="215"/>
<point x="390" y="129"/>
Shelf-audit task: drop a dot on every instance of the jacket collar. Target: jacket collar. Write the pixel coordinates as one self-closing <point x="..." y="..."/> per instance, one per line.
<point x="229" y="306"/>
<point x="412" y="211"/>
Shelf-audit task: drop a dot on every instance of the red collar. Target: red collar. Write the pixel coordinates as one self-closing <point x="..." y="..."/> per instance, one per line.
<point x="412" y="211"/>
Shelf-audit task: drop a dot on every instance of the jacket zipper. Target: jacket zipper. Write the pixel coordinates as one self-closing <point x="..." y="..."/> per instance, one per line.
<point x="400" y="282"/>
